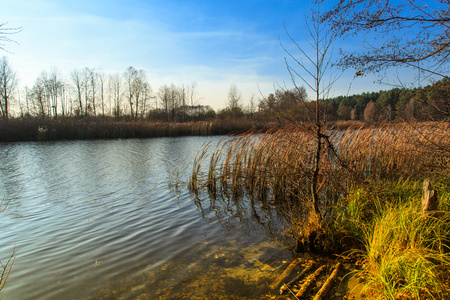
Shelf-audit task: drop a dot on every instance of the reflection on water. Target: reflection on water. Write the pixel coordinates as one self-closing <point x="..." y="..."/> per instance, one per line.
<point x="99" y="219"/>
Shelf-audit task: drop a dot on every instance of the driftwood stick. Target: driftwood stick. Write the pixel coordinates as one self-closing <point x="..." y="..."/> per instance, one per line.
<point x="327" y="285"/>
<point x="285" y="273"/>
<point x="309" y="281"/>
<point x="429" y="198"/>
<point x="288" y="285"/>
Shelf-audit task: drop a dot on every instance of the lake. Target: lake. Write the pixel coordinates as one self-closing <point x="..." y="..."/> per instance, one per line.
<point x="114" y="220"/>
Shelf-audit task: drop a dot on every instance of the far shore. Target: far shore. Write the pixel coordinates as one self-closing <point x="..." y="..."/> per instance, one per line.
<point x="91" y="128"/>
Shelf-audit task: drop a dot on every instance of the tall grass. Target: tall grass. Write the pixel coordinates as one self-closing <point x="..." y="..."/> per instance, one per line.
<point x="275" y="168"/>
<point x="396" y="151"/>
<point x="82" y="128"/>
<point x="405" y="255"/>
<point x="370" y="185"/>
<point x="280" y="161"/>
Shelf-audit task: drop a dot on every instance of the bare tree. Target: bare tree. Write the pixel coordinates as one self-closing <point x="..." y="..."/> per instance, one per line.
<point x="130" y="75"/>
<point x="87" y="84"/>
<point x="192" y="94"/>
<point x="77" y="81"/>
<point x="115" y="86"/>
<point x="171" y="99"/>
<point x="164" y="97"/>
<point x="251" y="106"/>
<point x="140" y="85"/>
<point x="53" y="90"/>
<point x="7" y="86"/>
<point x="102" y="81"/>
<point x="175" y="100"/>
<point x="285" y="99"/>
<point x="182" y="95"/>
<point x="407" y="33"/>
<point x="234" y="100"/>
<point x="146" y="97"/>
<point x="135" y="84"/>
<point x="93" y="80"/>
<point x="27" y="101"/>
<point x="310" y="67"/>
<point x="370" y="112"/>
<point x="20" y="105"/>
<point x="38" y="98"/>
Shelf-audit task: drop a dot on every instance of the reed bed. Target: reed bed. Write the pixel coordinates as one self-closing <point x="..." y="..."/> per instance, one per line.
<point x="370" y="183"/>
<point x="36" y="129"/>
<point x="280" y="161"/>
<point x="82" y="128"/>
<point x="275" y="168"/>
<point x="395" y="151"/>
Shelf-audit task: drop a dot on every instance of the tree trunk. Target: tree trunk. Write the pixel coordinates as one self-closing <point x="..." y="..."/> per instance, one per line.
<point x="309" y="281"/>
<point x="328" y="284"/>
<point x="429" y="198"/>
<point x="285" y="273"/>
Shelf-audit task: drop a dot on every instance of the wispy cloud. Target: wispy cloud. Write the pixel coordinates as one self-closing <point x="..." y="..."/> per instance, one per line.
<point x="212" y="43"/>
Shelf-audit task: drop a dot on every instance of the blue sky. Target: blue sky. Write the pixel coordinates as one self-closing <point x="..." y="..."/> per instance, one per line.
<point x="213" y="43"/>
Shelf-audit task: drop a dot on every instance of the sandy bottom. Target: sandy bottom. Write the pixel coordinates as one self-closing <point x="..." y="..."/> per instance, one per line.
<point x="228" y="271"/>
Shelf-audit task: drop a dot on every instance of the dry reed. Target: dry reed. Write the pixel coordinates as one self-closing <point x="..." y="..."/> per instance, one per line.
<point x="275" y="168"/>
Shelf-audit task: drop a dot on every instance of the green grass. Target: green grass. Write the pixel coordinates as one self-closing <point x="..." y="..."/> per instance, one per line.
<point x="404" y="254"/>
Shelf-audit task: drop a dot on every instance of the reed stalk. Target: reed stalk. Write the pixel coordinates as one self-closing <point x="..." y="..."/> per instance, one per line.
<point x="279" y="166"/>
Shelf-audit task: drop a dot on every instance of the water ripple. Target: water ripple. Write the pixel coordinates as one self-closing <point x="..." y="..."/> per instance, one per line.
<point x="83" y="213"/>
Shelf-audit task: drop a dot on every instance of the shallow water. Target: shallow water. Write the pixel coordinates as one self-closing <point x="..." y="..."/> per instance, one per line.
<point x="103" y="219"/>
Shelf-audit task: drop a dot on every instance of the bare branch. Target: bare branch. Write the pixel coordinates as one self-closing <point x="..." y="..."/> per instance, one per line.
<point x="406" y="32"/>
<point x="5" y="32"/>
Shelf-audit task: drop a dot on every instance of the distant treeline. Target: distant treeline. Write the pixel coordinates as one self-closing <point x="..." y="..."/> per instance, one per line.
<point x="430" y="103"/>
<point x="94" y="93"/>
<point x="94" y="105"/>
<point x="284" y="106"/>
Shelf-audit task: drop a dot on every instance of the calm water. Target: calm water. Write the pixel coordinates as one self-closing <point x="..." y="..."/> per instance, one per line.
<point x="100" y="219"/>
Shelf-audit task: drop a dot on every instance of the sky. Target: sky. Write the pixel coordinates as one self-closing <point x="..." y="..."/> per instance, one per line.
<point x="213" y="43"/>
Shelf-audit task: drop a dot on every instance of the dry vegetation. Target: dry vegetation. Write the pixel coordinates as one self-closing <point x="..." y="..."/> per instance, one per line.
<point x="82" y="128"/>
<point x="369" y="184"/>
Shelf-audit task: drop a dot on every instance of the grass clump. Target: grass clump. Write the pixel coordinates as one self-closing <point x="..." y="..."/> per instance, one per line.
<point x="406" y="255"/>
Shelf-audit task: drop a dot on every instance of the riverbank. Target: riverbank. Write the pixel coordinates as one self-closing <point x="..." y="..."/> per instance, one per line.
<point x="371" y="182"/>
<point x="403" y="253"/>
